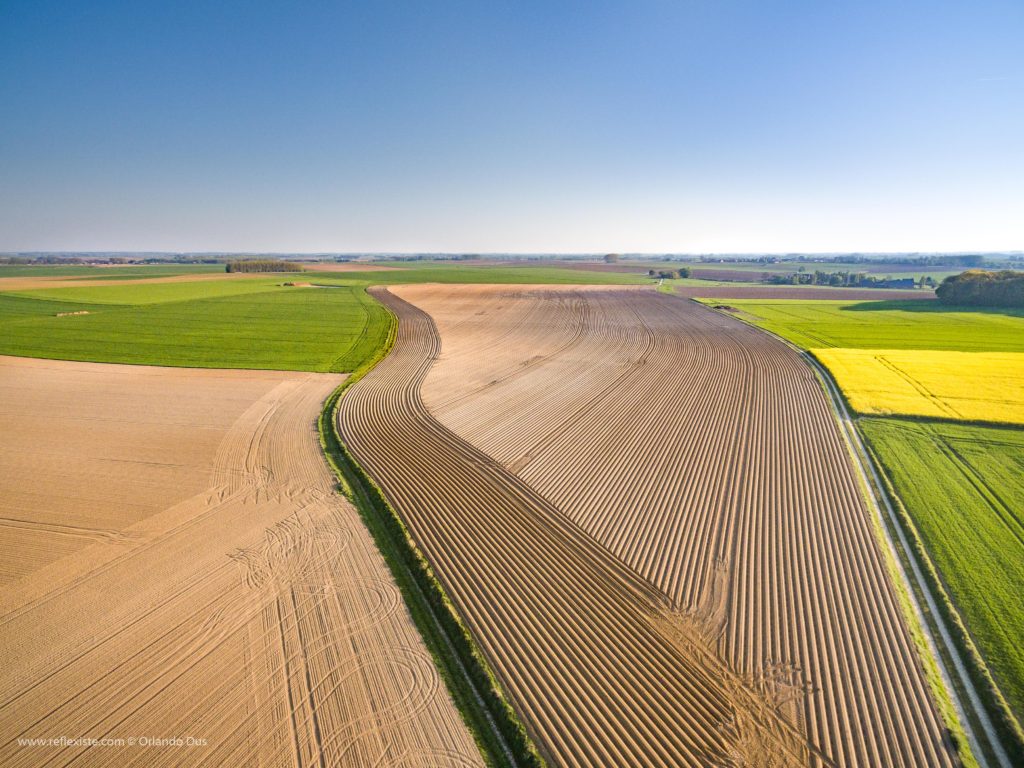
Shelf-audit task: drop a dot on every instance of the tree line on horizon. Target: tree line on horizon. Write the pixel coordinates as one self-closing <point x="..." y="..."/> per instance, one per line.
<point x="980" y="288"/>
<point x="262" y="265"/>
<point x="845" y="279"/>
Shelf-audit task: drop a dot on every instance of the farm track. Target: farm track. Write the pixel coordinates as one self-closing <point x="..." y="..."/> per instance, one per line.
<point x="255" y="615"/>
<point x="647" y="516"/>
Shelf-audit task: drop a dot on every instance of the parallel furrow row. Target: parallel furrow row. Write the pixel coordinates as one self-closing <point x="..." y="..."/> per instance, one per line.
<point x="665" y="442"/>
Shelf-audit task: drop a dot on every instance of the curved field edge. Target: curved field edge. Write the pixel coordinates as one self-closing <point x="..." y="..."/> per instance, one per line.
<point x="1007" y="728"/>
<point x="494" y="725"/>
<point x="934" y="657"/>
<point x="1007" y="731"/>
<point x="910" y="597"/>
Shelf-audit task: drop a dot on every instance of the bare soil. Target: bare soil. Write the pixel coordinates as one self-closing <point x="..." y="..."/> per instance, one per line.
<point x="177" y="564"/>
<point x="645" y="512"/>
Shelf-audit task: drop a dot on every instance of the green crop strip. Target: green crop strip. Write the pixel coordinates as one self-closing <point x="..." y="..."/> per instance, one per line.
<point x="958" y="491"/>
<point x="301" y="329"/>
<point x="884" y="324"/>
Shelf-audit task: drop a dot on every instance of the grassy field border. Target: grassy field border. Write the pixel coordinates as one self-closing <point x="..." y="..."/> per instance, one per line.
<point x="499" y="733"/>
<point x="939" y="667"/>
<point x="915" y="609"/>
<point x="1007" y="728"/>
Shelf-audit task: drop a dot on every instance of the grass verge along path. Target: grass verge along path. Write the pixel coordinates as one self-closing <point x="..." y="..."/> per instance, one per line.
<point x="953" y="488"/>
<point x="962" y="491"/>
<point x="501" y="736"/>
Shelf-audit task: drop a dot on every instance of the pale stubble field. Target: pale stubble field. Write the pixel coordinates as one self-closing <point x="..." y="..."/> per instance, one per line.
<point x="179" y="566"/>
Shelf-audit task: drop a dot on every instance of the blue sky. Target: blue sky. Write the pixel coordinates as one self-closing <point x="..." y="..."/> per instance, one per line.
<point x="512" y="126"/>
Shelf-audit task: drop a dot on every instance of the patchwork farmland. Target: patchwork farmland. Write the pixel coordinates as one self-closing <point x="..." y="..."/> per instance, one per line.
<point x="464" y="385"/>
<point x="642" y="510"/>
<point x="950" y="383"/>
<point x="647" y="515"/>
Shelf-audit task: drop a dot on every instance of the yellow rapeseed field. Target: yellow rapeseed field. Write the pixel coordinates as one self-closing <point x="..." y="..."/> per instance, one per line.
<point x="973" y="386"/>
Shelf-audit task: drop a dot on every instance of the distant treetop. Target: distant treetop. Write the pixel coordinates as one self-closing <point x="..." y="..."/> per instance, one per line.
<point x="262" y="265"/>
<point x="980" y="288"/>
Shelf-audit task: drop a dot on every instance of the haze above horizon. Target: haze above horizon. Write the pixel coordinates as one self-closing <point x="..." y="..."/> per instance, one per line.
<point x="731" y="127"/>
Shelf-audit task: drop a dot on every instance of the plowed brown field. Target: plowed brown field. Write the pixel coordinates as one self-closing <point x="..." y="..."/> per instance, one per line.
<point x="177" y="565"/>
<point x="647" y="515"/>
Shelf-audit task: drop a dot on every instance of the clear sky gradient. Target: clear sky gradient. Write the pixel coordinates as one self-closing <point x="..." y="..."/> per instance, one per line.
<point x="512" y="126"/>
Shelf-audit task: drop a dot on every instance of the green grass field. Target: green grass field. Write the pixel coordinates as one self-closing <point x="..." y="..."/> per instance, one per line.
<point x="434" y="272"/>
<point x="886" y="324"/>
<point x="156" y="293"/>
<point x="86" y="272"/>
<point x="251" y="322"/>
<point x="964" y="486"/>
<point x="330" y="329"/>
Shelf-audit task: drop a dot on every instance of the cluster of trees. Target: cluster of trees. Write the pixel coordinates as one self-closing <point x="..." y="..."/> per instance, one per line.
<point x="262" y="265"/>
<point x="844" y="280"/>
<point x="669" y="274"/>
<point x="712" y="259"/>
<point x="978" y="288"/>
<point x="49" y="259"/>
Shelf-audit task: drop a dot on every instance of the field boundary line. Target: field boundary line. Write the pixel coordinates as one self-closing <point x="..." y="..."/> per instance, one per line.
<point x="919" y="587"/>
<point x="904" y="555"/>
<point x="916" y="418"/>
<point x="461" y="665"/>
<point x="995" y="705"/>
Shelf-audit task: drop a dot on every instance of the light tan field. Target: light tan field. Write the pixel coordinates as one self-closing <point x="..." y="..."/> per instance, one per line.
<point x="176" y="565"/>
<point x="647" y="515"/>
